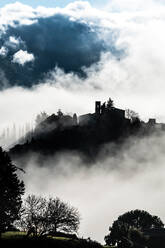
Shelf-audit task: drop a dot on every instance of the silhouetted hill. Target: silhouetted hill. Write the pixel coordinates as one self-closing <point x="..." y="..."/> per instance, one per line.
<point x="86" y="134"/>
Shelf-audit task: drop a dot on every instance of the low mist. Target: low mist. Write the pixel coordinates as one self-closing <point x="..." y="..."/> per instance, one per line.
<point x="131" y="179"/>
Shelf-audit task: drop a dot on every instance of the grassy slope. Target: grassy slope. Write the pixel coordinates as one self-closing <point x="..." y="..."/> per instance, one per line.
<point x="22" y="235"/>
<point x="19" y="240"/>
<point x="13" y="235"/>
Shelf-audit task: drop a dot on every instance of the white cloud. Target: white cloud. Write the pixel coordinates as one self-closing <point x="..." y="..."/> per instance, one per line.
<point x="136" y="81"/>
<point x="20" y="14"/>
<point x="3" y="51"/>
<point x="134" y="5"/>
<point x="17" y="12"/>
<point x="22" y="57"/>
<point x="13" y="40"/>
<point x="13" y="43"/>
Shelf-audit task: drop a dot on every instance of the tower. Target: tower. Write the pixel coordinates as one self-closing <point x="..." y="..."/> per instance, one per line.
<point x="74" y="119"/>
<point x="97" y="107"/>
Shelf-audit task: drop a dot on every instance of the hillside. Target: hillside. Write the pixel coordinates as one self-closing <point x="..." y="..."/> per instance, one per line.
<point x="85" y="134"/>
<point x="19" y="240"/>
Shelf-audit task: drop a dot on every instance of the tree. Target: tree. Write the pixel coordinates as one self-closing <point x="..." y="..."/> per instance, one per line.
<point x="48" y="216"/>
<point x="62" y="217"/>
<point x="110" y="104"/>
<point x="33" y="215"/>
<point x="130" y="114"/>
<point x="137" y="237"/>
<point x="59" y="113"/>
<point x="41" y="117"/>
<point x="138" y="219"/>
<point x="11" y="190"/>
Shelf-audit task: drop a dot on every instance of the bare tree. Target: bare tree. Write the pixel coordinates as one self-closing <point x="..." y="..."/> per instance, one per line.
<point x="33" y="215"/>
<point x="62" y="217"/>
<point x="130" y="114"/>
<point x="48" y="216"/>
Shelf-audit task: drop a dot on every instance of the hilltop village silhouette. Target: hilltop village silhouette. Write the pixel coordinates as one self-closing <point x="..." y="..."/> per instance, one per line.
<point x="86" y="133"/>
<point x="104" y="114"/>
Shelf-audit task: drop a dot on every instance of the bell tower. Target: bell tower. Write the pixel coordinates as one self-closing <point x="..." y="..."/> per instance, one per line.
<point x="98" y="107"/>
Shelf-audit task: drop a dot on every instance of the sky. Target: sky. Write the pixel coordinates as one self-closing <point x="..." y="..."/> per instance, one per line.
<point x="68" y="54"/>
<point x="51" y="3"/>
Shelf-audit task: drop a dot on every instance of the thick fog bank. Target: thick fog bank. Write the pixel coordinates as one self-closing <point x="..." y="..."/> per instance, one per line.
<point x="133" y="179"/>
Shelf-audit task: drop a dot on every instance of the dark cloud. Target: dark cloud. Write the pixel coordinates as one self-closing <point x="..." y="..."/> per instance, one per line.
<point x="54" y="41"/>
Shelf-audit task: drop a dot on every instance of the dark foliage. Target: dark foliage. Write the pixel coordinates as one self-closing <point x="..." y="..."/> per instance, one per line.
<point x="11" y="190"/>
<point x="123" y="227"/>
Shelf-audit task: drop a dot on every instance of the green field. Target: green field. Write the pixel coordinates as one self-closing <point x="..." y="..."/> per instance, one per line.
<point x="20" y="240"/>
<point x="13" y="235"/>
